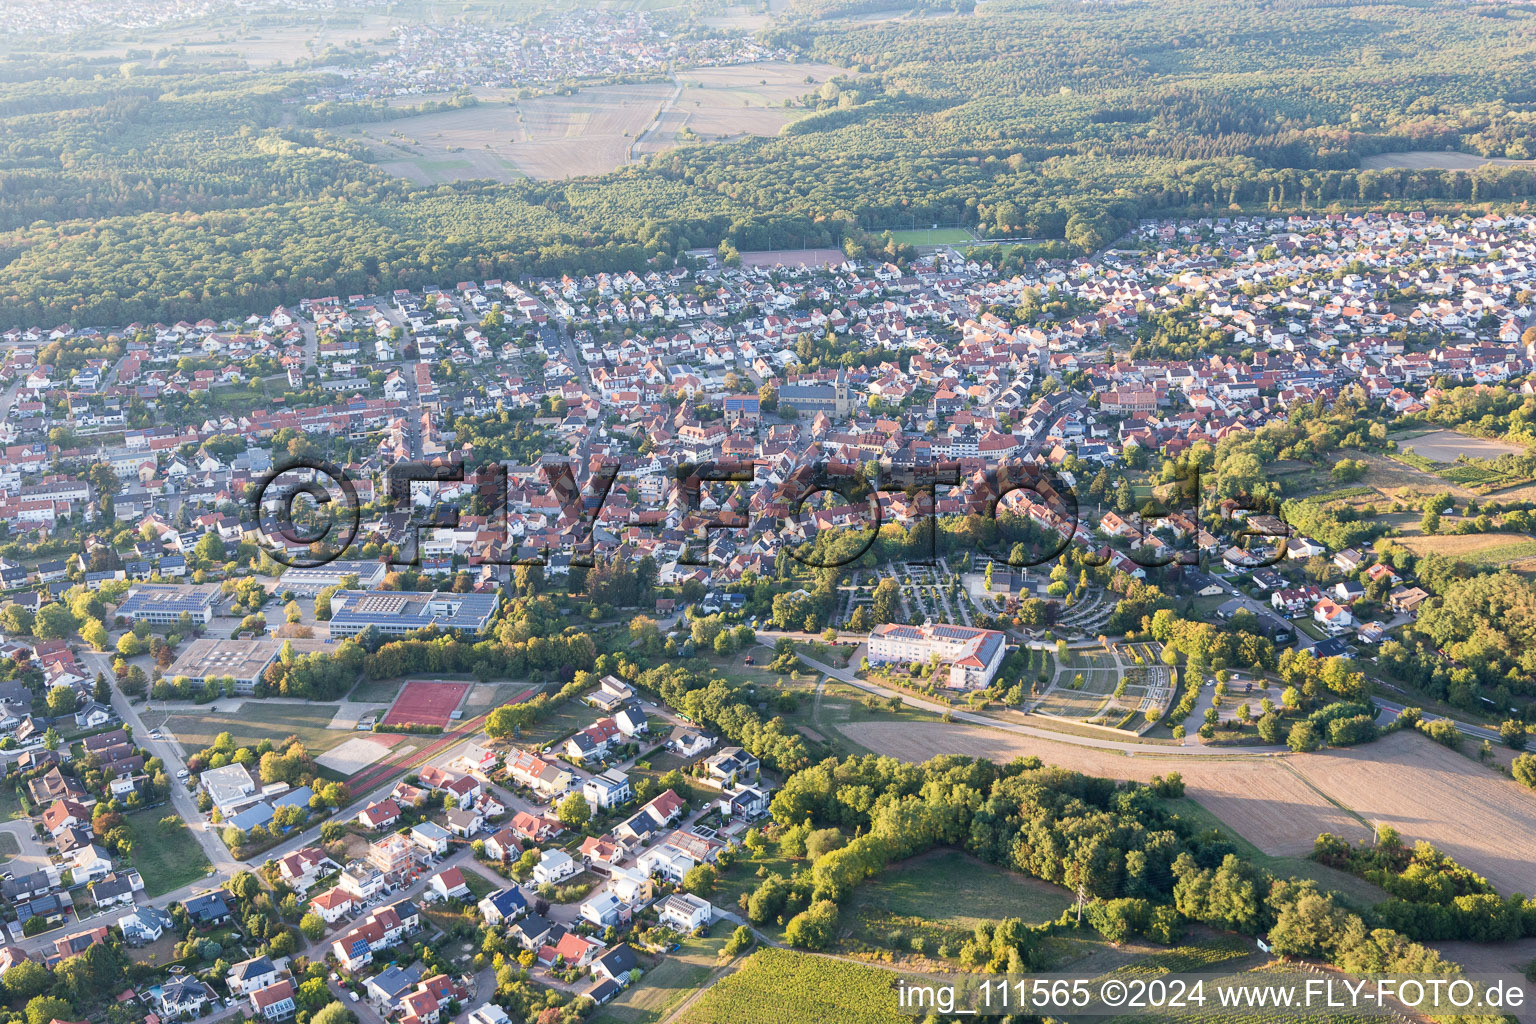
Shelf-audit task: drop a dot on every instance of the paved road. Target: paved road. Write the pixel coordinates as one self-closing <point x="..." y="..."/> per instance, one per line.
<point x="1391" y="709"/>
<point x="182" y="801"/>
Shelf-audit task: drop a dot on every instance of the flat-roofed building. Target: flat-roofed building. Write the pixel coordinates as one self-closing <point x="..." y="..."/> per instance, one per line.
<point x="307" y="581"/>
<point x="165" y="604"/>
<point x="396" y="612"/>
<point x="244" y="661"/>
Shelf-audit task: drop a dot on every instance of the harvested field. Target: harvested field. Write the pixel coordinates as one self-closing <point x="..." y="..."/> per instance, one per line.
<point x="591" y="131"/>
<point x="1407" y="781"/>
<point x="717" y="104"/>
<point x="357" y="753"/>
<point x="1430" y="792"/>
<point x="1448" y="445"/>
<point x="1429" y="160"/>
<point x="423" y="703"/>
<point x="1261" y="799"/>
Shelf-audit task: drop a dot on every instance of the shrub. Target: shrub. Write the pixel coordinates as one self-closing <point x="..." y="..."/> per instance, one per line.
<point x="1303" y="737"/>
<point x="1442" y="730"/>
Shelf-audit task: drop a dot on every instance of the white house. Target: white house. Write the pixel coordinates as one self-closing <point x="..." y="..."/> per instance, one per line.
<point x="554" y="866"/>
<point x="684" y="912"/>
<point x="604" y="910"/>
<point x="248" y="976"/>
<point x="608" y="790"/>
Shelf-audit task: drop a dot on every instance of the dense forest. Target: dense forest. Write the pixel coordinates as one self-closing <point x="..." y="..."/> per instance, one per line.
<point x="160" y="186"/>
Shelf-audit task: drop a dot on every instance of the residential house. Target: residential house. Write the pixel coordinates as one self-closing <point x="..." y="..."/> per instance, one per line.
<point x="247" y="976"/>
<point x="554" y="866"/>
<point x="604" y="910"/>
<point x="615" y="964"/>
<point x="507" y="904"/>
<point x="449" y="885"/>
<point x="608" y="790"/>
<point x="684" y="912"/>
<point x="275" y="1002"/>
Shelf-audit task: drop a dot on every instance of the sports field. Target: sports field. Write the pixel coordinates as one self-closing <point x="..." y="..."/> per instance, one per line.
<point x="933" y="236"/>
<point x="357" y="753"/>
<point x="424" y="703"/>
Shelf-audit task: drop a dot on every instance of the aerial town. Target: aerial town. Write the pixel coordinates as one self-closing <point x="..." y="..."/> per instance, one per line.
<point x="300" y="776"/>
<point x="586" y="44"/>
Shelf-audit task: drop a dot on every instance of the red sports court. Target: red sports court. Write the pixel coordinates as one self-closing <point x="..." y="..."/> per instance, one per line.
<point x="423" y="703"/>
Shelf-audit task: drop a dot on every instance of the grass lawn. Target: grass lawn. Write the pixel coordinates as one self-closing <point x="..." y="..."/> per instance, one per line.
<point x="742" y="878"/>
<point x="376" y="691"/>
<point x="253" y="723"/>
<point x="9" y="847"/>
<point x="835" y="655"/>
<point x="167" y="858"/>
<point x="563" y="719"/>
<point x="939" y="898"/>
<point x="669" y="982"/>
<point x="479" y="885"/>
<point x="10" y="803"/>
<point x="483" y="697"/>
<point x="819" y="716"/>
<point x="1355" y="891"/>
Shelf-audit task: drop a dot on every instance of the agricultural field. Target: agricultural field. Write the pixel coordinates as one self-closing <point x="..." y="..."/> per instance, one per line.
<point x="726" y="103"/>
<point x="258" y="40"/>
<point x="777" y="986"/>
<point x="592" y="131"/>
<point x="1280" y="805"/>
<point x="1448" y="445"/>
<point x="1431" y="160"/>
<point x="1273" y="808"/>
<point x="1430" y="792"/>
<point x="1516" y="550"/>
<point x="1355" y="891"/>
<point x="252" y="723"/>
